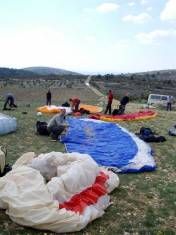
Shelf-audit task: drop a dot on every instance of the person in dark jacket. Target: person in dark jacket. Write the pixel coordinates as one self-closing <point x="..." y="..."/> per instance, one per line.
<point x="48" y="97"/>
<point x="9" y="100"/>
<point x="110" y="99"/>
<point x="123" y="102"/>
<point x="169" y="103"/>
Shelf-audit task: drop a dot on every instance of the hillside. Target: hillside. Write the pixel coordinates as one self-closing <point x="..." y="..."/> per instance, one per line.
<point x="139" y="85"/>
<point x="15" y="73"/>
<point x="49" y="71"/>
<point x="162" y="74"/>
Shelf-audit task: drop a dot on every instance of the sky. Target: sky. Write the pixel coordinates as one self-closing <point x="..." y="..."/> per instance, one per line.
<point x="89" y="36"/>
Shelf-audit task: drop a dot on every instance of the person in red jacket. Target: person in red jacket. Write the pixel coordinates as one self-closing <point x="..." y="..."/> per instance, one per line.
<point x="75" y="104"/>
<point x="110" y="99"/>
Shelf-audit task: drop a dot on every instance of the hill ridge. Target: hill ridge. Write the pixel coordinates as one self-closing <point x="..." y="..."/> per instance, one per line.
<point x="44" y="70"/>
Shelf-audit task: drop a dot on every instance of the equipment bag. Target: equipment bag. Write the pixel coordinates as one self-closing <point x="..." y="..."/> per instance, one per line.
<point x="42" y="128"/>
<point x="144" y="131"/>
<point x="172" y="131"/>
<point x="147" y="135"/>
<point x="4" y="168"/>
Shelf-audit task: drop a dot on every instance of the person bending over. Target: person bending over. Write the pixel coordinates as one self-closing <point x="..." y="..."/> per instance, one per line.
<point x="57" y="125"/>
<point x="74" y="103"/>
<point x="110" y="99"/>
<point x="9" y="100"/>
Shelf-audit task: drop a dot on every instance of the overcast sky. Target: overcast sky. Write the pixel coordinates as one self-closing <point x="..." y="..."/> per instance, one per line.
<point x="90" y="36"/>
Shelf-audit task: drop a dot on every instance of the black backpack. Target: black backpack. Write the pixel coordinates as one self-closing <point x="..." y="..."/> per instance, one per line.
<point x="7" y="168"/>
<point x="147" y="135"/>
<point x="119" y="111"/>
<point x="115" y="112"/>
<point x="145" y="132"/>
<point x="66" y="104"/>
<point x="42" y="128"/>
<point x="172" y="131"/>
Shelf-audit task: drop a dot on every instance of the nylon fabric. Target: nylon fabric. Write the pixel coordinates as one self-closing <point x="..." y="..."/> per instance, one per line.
<point x="109" y="144"/>
<point x="142" y="115"/>
<point x="7" y="124"/>
<point x="28" y="199"/>
<point x="88" y="197"/>
<point x="91" y="108"/>
<point x="53" y="109"/>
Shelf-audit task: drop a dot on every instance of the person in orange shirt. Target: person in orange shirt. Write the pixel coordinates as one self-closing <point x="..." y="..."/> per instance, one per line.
<point x="75" y="104"/>
<point x="110" y="99"/>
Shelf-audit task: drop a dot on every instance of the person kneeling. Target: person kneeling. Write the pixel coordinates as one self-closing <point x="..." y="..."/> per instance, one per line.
<point x="123" y="102"/>
<point x="56" y="126"/>
<point x="74" y="103"/>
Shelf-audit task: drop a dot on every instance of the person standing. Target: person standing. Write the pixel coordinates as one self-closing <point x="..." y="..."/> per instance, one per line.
<point x="110" y="99"/>
<point x="169" y="103"/>
<point x="48" y="97"/>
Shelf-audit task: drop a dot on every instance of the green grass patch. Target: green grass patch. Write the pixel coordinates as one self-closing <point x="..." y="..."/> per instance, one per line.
<point x="143" y="204"/>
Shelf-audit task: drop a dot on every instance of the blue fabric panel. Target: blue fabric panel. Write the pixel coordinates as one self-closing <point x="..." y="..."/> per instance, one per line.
<point x="105" y="142"/>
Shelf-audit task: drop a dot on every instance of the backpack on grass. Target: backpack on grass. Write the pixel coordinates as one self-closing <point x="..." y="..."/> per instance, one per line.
<point x="145" y="132"/>
<point x="172" y="131"/>
<point x="4" y="168"/>
<point x="42" y="128"/>
<point x="147" y="135"/>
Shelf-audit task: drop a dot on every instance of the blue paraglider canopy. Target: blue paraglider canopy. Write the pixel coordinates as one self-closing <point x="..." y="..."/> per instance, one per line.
<point x="109" y="145"/>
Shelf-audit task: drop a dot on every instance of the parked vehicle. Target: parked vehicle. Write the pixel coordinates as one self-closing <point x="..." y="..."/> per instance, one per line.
<point x="157" y="99"/>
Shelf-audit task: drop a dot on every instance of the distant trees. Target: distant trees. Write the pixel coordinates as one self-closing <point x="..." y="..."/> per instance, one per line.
<point x="15" y="73"/>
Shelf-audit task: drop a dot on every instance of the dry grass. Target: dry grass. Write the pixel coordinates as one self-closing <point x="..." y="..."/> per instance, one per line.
<point x="143" y="204"/>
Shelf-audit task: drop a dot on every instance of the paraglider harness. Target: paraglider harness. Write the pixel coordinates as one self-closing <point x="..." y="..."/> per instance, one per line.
<point x="66" y="104"/>
<point x="119" y="111"/>
<point x="172" y="131"/>
<point x="124" y="101"/>
<point x="148" y="135"/>
<point x="42" y="128"/>
<point x="4" y="168"/>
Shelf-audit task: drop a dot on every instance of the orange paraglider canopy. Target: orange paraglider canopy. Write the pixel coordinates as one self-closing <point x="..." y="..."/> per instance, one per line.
<point x="91" y="108"/>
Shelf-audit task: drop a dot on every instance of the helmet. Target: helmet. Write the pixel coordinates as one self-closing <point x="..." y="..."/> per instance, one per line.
<point x="39" y="114"/>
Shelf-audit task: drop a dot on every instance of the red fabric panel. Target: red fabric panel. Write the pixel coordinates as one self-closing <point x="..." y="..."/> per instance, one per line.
<point x="88" y="197"/>
<point x="76" y="114"/>
<point x="75" y="101"/>
<point x="131" y="116"/>
<point x="95" y="116"/>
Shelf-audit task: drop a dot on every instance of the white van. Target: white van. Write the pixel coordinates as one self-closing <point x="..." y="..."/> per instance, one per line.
<point x="159" y="99"/>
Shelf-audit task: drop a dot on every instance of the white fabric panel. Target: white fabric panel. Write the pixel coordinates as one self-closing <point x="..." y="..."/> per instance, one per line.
<point x="143" y="156"/>
<point x="7" y="124"/>
<point x="29" y="200"/>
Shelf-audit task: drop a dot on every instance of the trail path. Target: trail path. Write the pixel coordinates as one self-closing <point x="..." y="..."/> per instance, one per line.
<point x="103" y="98"/>
<point x="132" y="107"/>
<point x="95" y="90"/>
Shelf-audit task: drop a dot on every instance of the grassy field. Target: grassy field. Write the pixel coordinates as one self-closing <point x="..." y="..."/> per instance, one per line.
<point x="144" y="203"/>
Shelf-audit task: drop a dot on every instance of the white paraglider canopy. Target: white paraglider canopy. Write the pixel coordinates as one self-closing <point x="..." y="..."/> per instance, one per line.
<point x="60" y="192"/>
